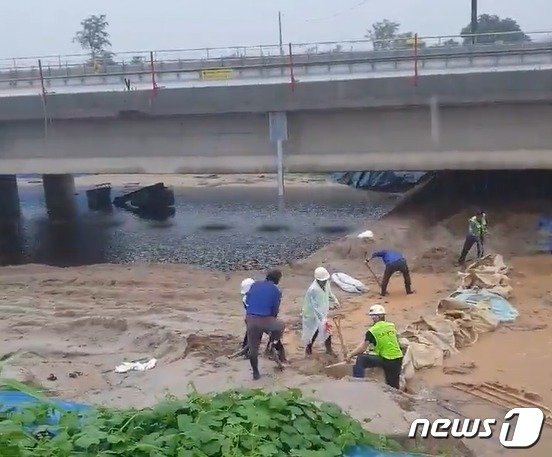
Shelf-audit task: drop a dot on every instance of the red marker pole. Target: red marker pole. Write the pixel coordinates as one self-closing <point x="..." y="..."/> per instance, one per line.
<point x="44" y="101"/>
<point x="42" y="80"/>
<point x="291" y="68"/>
<point x="153" y="82"/>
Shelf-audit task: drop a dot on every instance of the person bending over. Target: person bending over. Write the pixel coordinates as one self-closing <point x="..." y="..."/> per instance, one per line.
<point x="263" y="305"/>
<point x="387" y="353"/>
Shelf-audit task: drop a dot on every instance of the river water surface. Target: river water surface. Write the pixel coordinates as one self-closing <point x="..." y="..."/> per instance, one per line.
<point x="222" y="227"/>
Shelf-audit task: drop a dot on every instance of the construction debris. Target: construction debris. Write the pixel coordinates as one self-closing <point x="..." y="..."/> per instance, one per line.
<point x="504" y="396"/>
<point x="99" y="198"/>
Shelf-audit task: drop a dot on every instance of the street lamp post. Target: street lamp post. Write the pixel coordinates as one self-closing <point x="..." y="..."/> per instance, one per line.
<point x="280" y="33"/>
<point x="473" y="20"/>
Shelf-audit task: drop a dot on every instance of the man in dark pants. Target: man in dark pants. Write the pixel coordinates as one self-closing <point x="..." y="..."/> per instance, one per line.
<point x="477" y="229"/>
<point x="394" y="261"/>
<point x="263" y="304"/>
<point x="387" y="351"/>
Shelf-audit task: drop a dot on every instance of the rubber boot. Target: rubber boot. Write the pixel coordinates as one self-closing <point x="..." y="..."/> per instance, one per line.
<point x="254" y="361"/>
<point x="328" y="344"/>
<point x="268" y="349"/>
<point x="281" y="351"/>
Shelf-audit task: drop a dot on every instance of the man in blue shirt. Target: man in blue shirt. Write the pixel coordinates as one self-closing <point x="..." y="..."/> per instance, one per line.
<point x="394" y="261"/>
<point x="263" y="305"/>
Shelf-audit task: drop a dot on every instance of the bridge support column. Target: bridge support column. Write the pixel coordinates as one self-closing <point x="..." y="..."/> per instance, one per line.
<point x="435" y="121"/>
<point x="59" y="193"/>
<point x="278" y="133"/>
<point x="9" y="198"/>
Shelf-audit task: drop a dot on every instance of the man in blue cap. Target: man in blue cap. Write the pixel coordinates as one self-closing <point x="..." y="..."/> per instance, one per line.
<point x="394" y="261"/>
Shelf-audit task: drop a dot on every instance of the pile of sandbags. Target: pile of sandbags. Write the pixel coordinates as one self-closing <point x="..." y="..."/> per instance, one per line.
<point x="477" y="307"/>
<point x="489" y="273"/>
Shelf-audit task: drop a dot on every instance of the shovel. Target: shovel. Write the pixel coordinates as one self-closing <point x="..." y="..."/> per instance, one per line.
<point x="372" y="271"/>
<point x="337" y="321"/>
<point x="338" y="369"/>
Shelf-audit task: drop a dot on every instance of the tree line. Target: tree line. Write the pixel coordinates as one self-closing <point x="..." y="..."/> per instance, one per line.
<point x="490" y="29"/>
<point x="94" y="37"/>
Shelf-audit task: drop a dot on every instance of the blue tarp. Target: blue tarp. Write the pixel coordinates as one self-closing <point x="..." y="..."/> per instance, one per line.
<point x="13" y="400"/>
<point x="500" y="307"/>
<point x="544" y="226"/>
<point x="366" y="452"/>
<point x="383" y="181"/>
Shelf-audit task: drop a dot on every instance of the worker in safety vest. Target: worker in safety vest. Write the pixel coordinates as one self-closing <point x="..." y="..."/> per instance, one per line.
<point x="477" y="229"/>
<point x="387" y="353"/>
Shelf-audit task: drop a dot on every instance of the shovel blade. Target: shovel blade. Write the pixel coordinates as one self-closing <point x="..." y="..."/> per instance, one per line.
<point x="339" y="370"/>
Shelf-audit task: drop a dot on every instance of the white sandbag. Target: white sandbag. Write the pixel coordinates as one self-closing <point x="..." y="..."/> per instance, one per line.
<point x="348" y="283"/>
<point x="368" y="234"/>
<point x="125" y="367"/>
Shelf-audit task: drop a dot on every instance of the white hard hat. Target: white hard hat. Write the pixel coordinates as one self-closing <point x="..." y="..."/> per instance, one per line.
<point x="367" y="234"/>
<point x="321" y="274"/>
<point x="246" y="285"/>
<point x="376" y="310"/>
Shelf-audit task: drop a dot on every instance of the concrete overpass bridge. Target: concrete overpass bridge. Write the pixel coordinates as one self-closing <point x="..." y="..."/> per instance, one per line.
<point x="467" y="107"/>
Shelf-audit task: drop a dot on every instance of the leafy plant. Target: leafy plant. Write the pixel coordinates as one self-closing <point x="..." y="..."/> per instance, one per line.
<point x="230" y="424"/>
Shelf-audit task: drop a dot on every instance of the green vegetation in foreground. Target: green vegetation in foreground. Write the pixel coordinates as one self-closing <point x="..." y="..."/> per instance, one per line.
<point x="230" y="424"/>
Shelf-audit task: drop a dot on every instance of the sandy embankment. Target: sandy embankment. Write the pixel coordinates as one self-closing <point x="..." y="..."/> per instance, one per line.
<point x="83" y="321"/>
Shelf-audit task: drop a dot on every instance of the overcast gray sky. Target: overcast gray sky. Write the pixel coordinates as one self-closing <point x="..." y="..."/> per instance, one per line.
<point x="40" y="27"/>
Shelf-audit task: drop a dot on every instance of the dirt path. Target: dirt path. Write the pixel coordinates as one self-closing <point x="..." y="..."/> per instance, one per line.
<point x="79" y="323"/>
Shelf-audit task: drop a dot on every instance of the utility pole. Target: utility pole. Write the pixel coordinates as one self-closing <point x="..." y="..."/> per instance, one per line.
<point x="280" y="33"/>
<point x="473" y="20"/>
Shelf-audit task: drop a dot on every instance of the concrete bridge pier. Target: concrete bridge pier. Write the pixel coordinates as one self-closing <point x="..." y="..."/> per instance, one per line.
<point x="59" y="193"/>
<point x="9" y="198"/>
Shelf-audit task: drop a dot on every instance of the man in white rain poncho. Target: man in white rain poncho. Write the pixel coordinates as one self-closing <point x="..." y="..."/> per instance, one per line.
<point x="244" y="288"/>
<point x="316" y="307"/>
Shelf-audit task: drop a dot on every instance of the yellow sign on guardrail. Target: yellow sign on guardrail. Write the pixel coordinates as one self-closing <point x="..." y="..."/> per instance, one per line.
<point x="216" y="73"/>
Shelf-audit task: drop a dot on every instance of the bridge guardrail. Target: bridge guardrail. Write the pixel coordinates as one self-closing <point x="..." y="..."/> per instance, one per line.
<point x="205" y="62"/>
<point x="233" y="68"/>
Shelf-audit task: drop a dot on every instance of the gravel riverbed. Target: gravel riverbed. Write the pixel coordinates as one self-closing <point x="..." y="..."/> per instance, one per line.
<point x="223" y="228"/>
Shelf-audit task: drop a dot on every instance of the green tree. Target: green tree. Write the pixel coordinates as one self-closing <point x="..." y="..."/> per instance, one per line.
<point x="382" y="34"/>
<point x="487" y="23"/>
<point x="385" y="35"/>
<point x="94" y="37"/>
